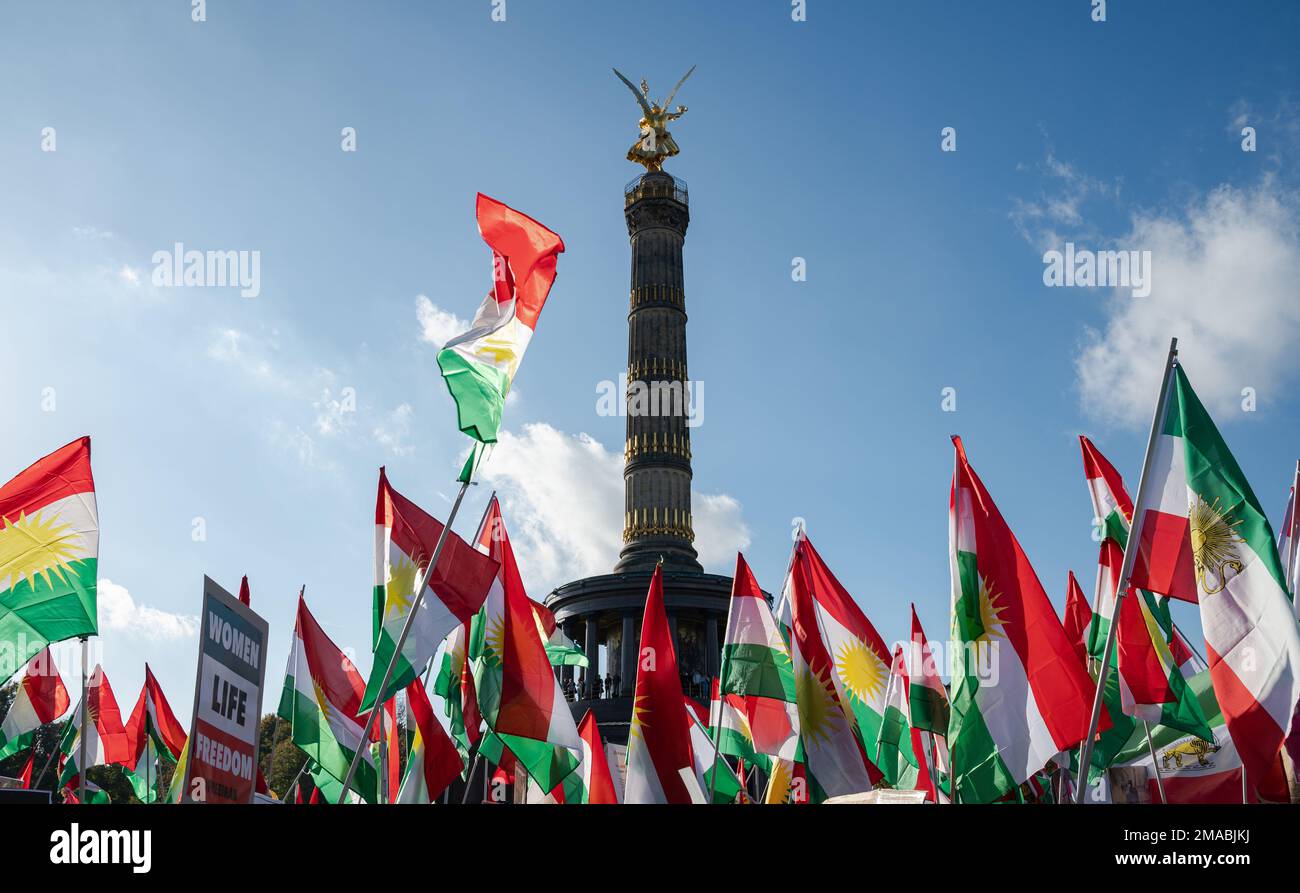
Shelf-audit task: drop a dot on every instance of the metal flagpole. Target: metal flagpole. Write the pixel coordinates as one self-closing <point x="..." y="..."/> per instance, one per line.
<point x="1245" y="791"/>
<point x="406" y="630"/>
<point x="1151" y="749"/>
<point x="53" y="753"/>
<point x="469" y="781"/>
<point x="1126" y="571"/>
<point x="717" y="729"/>
<point x="428" y="671"/>
<point x="85" y="715"/>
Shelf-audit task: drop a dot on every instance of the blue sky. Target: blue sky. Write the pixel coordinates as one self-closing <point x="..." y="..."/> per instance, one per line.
<point x="817" y="140"/>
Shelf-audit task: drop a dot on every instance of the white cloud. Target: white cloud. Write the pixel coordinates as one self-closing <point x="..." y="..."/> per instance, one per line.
<point x="562" y="497"/>
<point x="1223" y="274"/>
<point x="120" y="613"/>
<point x="1061" y="205"/>
<point x="437" y="326"/>
<point x="93" y="233"/>
<point x="129" y="275"/>
<point x="393" y="431"/>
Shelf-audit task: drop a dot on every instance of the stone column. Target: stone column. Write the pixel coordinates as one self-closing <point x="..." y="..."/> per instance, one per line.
<point x="712" y="655"/>
<point x="593" y="656"/>
<point x="657" y="454"/>
<point x="630" y="655"/>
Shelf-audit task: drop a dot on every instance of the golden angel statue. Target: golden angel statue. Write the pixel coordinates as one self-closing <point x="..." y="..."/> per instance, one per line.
<point x="656" y="143"/>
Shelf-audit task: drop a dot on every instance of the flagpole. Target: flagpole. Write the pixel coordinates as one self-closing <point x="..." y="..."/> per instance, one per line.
<point x="1151" y="749"/>
<point x="934" y="772"/>
<point x="85" y="714"/>
<point x="717" y="728"/>
<point x="53" y="753"/>
<point x="1126" y="571"/>
<point x="469" y="781"/>
<point x="406" y="630"/>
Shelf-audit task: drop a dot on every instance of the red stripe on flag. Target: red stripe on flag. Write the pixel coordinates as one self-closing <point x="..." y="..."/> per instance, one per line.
<point x="1256" y="734"/>
<point x="64" y="472"/>
<point x="1164" y="560"/>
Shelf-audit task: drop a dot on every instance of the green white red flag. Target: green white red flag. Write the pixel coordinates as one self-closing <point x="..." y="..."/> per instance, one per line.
<point x="836" y="762"/>
<point x="455" y="685"/>
<point x="321" y="700"/>
<point x="894" y="739"/>
<point x="597" y="780"/>
<point x="660" y="761"/>
<point x="708" y="761"/>
<point x="49" y="555"/>
<point x="1003" y="733"/>
<point x="433" y="761"/>
<point x="1202" y="536"/>
<point x="153" y="718"/>
<point x="405" y="538"/>
<point x="480" y="364"/>
<point x="107" y="741"/>
<point x="927" y="698"/>
<point x="40" y="698"/>
<point x="1078" y="618"/>
<point x="757" y="679"/>
<point x="518" y="693"/>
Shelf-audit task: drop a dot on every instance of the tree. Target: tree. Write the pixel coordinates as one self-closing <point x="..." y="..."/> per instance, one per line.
<point x="280" y="759"/>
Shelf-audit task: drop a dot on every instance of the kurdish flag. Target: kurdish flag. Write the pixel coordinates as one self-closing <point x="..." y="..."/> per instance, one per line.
<point x="1078" y="619"/>
<point x="708" y="760"/>
<point x="927" y="698"/>
<point x="405" y="537"/>
<point x="894" y="740"/>
<point x="480" y="364"/>
<point x="597" y="780"/>
<point x="858" y="655"/>
<point x="40" y="699"/>
<point x="107" y="741"/>
<point x="321" y="700"/>
<point x="1001" y="734"/>
<point x="434" y="762"/>
<point x="660" y="762"/>
<point x="518" y="693"/>
<point x="49" y="555"/>
<point x="455" y="685"/>
<point x="835" y="760"/>
<point x="757" y="676"/>
<point x="1203" y="537"/>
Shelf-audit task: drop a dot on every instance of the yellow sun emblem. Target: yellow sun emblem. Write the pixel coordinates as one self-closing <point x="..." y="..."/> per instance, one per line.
<point x="640" y="711"/>
<point x="817" y="707"/>
<point x="327" y="709"/>
<point x="399" y="591"/>
<point x="991" y="622"/>
<point x="34" y="546"/>
<point x="778" y="786"/>
<point x="1214" y="539"/>
<point x="862" y="671"/>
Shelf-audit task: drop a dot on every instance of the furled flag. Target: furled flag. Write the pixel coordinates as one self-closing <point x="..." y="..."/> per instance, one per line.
<point x="321" y="700"/>
<point x="708" y="762"/>
<point x="1196" y="770"/>
<point x="480" y="364"/>
<point x="895" y="758"/>
<point x="1288" y="542"/>
<point x="49" y="555"/>
<point x="660" y="764"/>
<point x="26" y="775"/>
<point x="107" y="741"/>
<point x="1202" y="536"/>
<point x="455" y="685"/>
<point x="1151" y="683"/>
<point x="1078" y="618"/>
<point x="758" y="674"/>
<point x="927" y="698"/>
<point x="597" y="781"/>
<point x="518" y="693"/>
<point x="859" y="656"/>
<point x="40" y="698"/>
<point x="405" y="537"/>
<point x="1019" y="695"/>
<point x="153" y="718"/>
<point x="433" y="761"/>
<point x="390" y="742"/>
<point x="828" y="727"/>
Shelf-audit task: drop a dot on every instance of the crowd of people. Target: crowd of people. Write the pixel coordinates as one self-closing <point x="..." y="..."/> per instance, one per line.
<point x="694" y="685"/>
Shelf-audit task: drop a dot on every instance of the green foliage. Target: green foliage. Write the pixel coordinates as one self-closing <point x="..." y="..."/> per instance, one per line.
<point x="279" y="758"/>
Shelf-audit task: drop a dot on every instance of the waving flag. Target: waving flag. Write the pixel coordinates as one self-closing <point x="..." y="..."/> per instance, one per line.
<point x="927" y="698"/>
<point x="828" y="725"/>
<point x="660" y="762"/>
<point x="518" y="693"/>
<point x="49" y="555"/>
<point x="321" y="700"/>
<point x="597" y="780"/>
<point x="40" y="698"/>
<point x="405" y="537"/>
<point x="1003" y="733"/>
<point x="480" y="364"/>
<point x="757" y="675"/>
<point x="153" y="718"/>
<point x="455" y="685"/>
<point x="107" y="741"/>
<point x="433" y="761"/>
<point x="1078" y="618"/>
<point x="894" y="740"/>
<point x="1203" y="537"/>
